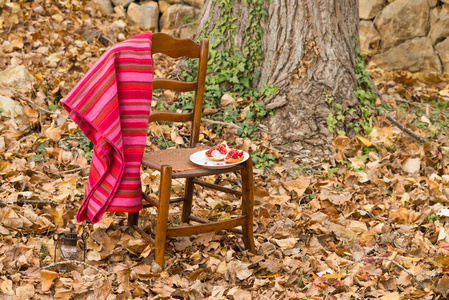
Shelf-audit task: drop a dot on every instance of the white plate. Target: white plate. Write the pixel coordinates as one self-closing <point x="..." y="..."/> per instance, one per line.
<point x="201" y="159"/>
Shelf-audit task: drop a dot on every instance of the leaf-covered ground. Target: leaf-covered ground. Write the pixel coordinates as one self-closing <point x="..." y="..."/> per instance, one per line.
<point x="381" y="195"/>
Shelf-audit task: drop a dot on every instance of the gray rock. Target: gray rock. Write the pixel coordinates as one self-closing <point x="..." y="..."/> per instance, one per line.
<point x="443" y="51"/>
<point x="146" y="14"/>
<point x="196" y="3"/>
<point x="439" y="23"/>
<point x="368" y="35"/>
<point x="403" y="20"/>
<point x="123" y="3"/>
<point x="7" y="104"/>
<point x="105" y="6"/>
<point x="188" y="32"/>
<point x="432" y="3"/>
<point x="163" y="6"/>
<point x="414" y="55"/>
<point x="177" y="15"/>
<point x="368" y="9"/>
<point x="18" y="78"/>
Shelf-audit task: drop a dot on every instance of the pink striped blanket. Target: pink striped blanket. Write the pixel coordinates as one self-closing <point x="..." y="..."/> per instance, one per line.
<point x="111" y="105"/>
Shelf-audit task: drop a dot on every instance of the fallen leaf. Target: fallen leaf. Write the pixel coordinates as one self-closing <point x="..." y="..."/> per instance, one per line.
<point x="47" y="278"/>
<point x="390" y="296"/>
<point x="411" y="165"/>
<point x="285" y="244"/>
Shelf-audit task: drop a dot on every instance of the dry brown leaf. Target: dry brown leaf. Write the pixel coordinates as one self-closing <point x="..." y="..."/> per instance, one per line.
<point x="286" y="244"/>
<point x="298" y="185"/>
<point x="47" y="278"/>
<point x="54" y="133"/>
<point x="411" y="165"/>
<point x="391" y="296"/>
<point x="401" y="215"/>
<point x="239" y="270"/>
<point x="25" y="291"/>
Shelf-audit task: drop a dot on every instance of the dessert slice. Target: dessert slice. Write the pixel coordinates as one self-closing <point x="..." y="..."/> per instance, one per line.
<point x="234" y="156"/>
<point x="218" y="152"/>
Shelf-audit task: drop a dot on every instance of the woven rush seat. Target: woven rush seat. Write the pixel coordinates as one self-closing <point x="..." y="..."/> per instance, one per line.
<point x="179" y="160"/>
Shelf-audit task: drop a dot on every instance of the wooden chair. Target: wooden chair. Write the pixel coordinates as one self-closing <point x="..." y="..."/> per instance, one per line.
<point x="175" y="163"/>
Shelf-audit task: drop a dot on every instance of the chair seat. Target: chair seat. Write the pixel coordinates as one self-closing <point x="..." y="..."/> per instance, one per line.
<point x="179" y="160"/>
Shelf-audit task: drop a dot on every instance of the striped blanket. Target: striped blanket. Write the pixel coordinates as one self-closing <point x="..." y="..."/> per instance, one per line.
<point x="111" y="105"/>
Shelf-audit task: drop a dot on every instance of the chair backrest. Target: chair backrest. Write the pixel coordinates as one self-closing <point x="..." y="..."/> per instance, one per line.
<point x="173" y="47"/>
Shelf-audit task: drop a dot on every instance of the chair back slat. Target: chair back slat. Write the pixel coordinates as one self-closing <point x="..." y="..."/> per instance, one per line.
<point x="170" y="116"/>
<point x="174" y="85"/>
<point x="173" y="47"/>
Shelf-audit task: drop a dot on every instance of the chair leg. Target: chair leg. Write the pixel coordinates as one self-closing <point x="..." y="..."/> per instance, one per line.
<point x="187" y="206"/>
<point x="133" y="217"/>
<point x="247" y="205"/>
<point x="162" y="215"/>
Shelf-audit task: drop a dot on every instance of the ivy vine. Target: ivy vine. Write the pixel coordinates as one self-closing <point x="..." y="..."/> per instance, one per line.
<point x="366" y="101"/>
<point x="232" y="70"/>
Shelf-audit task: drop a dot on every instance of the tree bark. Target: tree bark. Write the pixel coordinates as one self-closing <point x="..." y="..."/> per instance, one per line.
<point x="309" y="46"/>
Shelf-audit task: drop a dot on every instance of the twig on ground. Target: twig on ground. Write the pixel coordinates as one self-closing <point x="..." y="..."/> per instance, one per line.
<point x="25" y="201"/>
<point x="27" y="99"/>
<point x="422" y="285"/>
<point x="395" y="122"/>
<point x="79" y="263"/>
<point x="74" y="170"/>
<point x="220" y="123"/>
<point x="414" y="103"/>
<point x="294" y="151"/>
<point x="405" y="129"/>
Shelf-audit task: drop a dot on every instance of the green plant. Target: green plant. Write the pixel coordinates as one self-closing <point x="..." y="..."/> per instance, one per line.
<point x="364" y="93"/>
<point x="302" y="167"/>
<point x="432" y="218"/>
<point x="163" y="143"/>
<point x="300" y="281"/>
<point x="366" y="152"/>
<point x="347" y="164"/>
<point x="336" y="115"/>
<point x="262" y="160"/>
<point x="52" y="107"/>
<point x="231" y="69"/>
<point x="42" y="148"/>
<point x="188" y="20"/>
<point x="36" y="157"/>
<point x="331" y="172"/>
<point x="43" y="252"/>
<point x="39" y="157"/>
<point x="86" y="145"/>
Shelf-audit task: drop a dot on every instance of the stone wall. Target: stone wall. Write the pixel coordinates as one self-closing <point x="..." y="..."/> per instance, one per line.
<point x="177" y="17"/>
<point x="410" y="35"/>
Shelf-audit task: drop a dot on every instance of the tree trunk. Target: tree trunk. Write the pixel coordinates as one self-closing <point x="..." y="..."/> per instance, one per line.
<point x="309" y="47"/>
